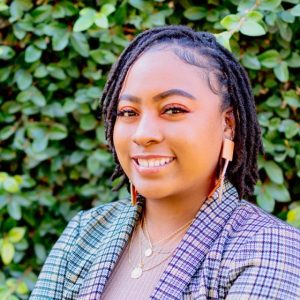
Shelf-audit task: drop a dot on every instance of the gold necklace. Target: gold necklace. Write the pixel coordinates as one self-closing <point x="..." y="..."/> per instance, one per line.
<point x="138" y="269"/>
<point x="149" y="251"/>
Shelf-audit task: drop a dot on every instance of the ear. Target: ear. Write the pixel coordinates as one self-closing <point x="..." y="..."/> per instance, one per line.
<point x="228" y="123"/>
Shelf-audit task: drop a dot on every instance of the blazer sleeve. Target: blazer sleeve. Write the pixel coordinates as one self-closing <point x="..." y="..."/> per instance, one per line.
<point x="51" y="279"/>
<point x="267" y="266"/>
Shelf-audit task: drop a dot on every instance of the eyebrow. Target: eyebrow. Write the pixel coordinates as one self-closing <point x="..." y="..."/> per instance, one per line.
<point x="160" y="96"/>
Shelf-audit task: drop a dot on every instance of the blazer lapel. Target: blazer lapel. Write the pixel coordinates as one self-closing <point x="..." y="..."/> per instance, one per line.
<point x="191" y="251"/>
<point x="113" y="243"/>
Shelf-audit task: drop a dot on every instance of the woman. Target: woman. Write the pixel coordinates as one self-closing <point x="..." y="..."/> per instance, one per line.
<point x="175" y="104"/>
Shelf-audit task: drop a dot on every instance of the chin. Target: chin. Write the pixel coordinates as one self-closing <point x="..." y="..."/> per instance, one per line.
<point x="153" y="193"/>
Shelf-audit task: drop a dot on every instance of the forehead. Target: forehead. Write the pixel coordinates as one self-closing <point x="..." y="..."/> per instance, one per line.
<point x="159" y="70"/>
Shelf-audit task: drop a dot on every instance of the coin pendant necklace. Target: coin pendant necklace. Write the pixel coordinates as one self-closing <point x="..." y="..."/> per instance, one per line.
<point x="137" y="272"/>
<point x="148" y="252"/>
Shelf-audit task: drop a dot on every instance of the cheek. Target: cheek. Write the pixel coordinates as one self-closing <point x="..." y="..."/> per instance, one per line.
<point x="121" y="143"/>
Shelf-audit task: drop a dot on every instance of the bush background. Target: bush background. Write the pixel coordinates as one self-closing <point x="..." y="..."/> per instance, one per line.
<point x="54" y="59"/>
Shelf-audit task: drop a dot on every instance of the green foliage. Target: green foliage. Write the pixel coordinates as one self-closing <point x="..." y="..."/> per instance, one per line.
<point x="54" y="59"/>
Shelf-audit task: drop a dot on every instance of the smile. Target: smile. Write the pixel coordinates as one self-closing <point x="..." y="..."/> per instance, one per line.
<point x="154" y="162"/>
<point x="153" y="165"/>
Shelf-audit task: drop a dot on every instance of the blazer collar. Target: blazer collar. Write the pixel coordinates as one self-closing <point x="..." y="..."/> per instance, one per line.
<point x="187" y="258"/>
<point x="196" y="243"/>
<point x="110" y="250"/>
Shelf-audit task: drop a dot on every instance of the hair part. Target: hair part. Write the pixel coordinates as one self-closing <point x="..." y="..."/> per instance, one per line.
<point x="225" y="76"/>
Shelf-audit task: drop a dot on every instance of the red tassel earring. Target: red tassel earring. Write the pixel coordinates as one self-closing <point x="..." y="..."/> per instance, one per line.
<point x="227" y="154"/>
<point x="133" y="194"/>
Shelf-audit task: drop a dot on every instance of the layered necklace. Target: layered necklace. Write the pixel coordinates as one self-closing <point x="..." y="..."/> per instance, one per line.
<point x="151" y="251"/>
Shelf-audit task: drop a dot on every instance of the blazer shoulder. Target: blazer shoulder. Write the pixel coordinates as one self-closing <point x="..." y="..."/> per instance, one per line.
<point x="107" y="212"/>
<point x="252" y="218"/>
<point x="250" y="222"/>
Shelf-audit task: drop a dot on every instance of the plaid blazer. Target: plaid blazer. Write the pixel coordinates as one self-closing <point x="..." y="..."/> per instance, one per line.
<point x="232" y="250"/>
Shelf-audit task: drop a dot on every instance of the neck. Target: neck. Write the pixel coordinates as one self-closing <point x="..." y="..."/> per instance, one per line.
<point x="166" y="215"/>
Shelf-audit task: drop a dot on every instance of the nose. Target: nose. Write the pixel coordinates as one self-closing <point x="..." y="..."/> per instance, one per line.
<point x="147" y="131"/>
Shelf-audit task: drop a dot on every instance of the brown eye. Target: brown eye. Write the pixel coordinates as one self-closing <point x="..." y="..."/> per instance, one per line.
<point x="174" y="110"/>
<point x="126" y="113"/>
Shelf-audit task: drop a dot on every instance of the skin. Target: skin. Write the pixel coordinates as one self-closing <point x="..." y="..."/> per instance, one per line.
<point x="191" y="130"/>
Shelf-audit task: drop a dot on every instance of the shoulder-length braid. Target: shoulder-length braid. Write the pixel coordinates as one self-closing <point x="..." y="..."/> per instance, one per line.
<point x="234" y="87"/>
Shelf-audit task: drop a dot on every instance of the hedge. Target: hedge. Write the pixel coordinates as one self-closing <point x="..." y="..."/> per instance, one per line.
<point x="54" y="60"/>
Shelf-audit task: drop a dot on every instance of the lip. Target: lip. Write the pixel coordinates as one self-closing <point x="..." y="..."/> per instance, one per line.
<point x="150" y="170"/>
<point x="149" y="156"/>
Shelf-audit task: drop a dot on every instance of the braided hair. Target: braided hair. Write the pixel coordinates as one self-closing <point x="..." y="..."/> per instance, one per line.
<point x="200" y="49"/>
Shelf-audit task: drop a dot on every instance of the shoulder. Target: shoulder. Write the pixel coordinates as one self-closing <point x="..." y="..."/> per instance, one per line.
<point x="252" y="220"/>
<point x="257" y="237"/>
<point x="261" y="248"/>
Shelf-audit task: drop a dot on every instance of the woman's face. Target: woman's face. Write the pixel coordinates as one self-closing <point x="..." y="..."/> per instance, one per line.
<point x="169" y="129"/>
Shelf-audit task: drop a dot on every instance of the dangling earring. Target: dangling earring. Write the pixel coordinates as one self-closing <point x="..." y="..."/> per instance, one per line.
<point x="227" y="154"/>
<point x="133" y="194"/>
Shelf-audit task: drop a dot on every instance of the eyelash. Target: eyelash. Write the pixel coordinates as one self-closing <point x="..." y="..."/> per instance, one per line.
<point x="121" y="113"/>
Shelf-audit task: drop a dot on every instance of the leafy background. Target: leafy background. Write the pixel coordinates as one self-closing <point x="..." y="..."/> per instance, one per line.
<point x="54" y="59"/>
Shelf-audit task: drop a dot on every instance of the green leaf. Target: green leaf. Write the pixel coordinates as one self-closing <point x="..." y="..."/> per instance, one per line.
<point x="3" y="7"/>
<point x="107" y="9"/>
<point x="56" y="72"/>
<point x="17" y="9"/>
<point x="11" y="185"/>
<point x="40" y="144"/>
<point x="231" y="22"/>
<point x="244" y="5"/>
<point x="4" y="74"/>
<point x="41" y="13"/>
<point x="23" y="79"/>
<point x="101" y="20"/>
<point x="22" y="288"/>
<point x="144" y="6"/>
<point x="7" y="252"/>
<point x="295" y="11"/>
<point x="265" y="201"/>
<point x="254" y="16"/>
<point x="251" y="61"/>
<point x="7" y="131"/>
<point x="76" y="157"/>
<point x="41" y="71"/>
<point x="224" y="39"/>
<point x="6" y="52"/>
<point x="274" y="101"/>
<point x="16" y="234"/>
<point x="269" y="4"/>
<point x="80" y="44"/>
<point x="57" y="132"/>
<point x="32" y="54"/>
<point x="293" y="217"/>
<point x="60" y="41"/>
<point x="40" y="252"/>
<point x="274" y="172"/>
<point x="294" y="60"/>
<point x="102" y="56"/>
<point x="290" y="128"/>
<point x="278" y="191"/>
<point x="32" y="94"/>
<point x="88" y="122"/>
<point x="287" y="17"/>
<point x="291" y="98"/>
<point x="195" y="13"/>
<point x="85" y="21"/>
<point x="251" y="28"/>
<point x="269" y="58"/>
<point x="282" y="72"/>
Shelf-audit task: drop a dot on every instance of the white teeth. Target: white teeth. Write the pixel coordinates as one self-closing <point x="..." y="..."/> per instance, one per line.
<point x="146" y="163"/>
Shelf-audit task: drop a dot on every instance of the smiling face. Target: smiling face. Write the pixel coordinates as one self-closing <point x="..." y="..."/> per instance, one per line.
<point x="169" y="130"/>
